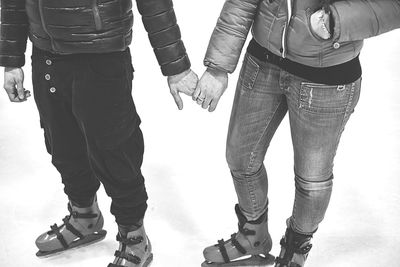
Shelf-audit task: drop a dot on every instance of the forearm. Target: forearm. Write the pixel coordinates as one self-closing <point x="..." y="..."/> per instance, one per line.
<point x="13" y="32"/>
<point x="368" y="18"/>
<point x="165" y="37"/>
<point x="230" y="34"/>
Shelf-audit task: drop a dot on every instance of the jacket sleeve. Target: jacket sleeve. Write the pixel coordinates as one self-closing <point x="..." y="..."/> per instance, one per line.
<point x="13" y="33"/>
<point x="165" y="37"/>
<point x="230" y="34"/>
<point x="361" y="19"/>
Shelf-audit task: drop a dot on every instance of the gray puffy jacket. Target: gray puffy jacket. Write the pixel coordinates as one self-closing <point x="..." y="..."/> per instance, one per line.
<point x="283" y="27"/>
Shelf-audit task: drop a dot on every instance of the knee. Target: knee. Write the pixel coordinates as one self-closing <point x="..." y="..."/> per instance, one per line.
<point x="314" y="184"/>
<point x="242" y="164"/>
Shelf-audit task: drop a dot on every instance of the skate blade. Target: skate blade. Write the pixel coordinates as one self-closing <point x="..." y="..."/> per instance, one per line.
<point x="253" y="261"/>
<point x="88" y="240"/>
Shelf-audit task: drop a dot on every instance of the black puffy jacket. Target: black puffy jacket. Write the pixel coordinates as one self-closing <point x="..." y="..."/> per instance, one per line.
<point x="88" y="26"/>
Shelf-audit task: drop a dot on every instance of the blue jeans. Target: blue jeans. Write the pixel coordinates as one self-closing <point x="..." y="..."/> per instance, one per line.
<point x="318" y="114"/>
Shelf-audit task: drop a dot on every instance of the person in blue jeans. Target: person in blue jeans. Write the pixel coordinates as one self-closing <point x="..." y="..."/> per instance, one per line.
<point x="303" y="60"/>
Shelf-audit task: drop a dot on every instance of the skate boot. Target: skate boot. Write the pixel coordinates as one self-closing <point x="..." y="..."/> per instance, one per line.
<point x="83" y="226"/>
<point x="250" y="246"/>
<point x="294" y="249"/>
<point x="134" y="248"/>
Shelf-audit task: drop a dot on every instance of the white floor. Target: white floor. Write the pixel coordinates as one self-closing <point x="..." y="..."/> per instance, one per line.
<point x="191" y="193"/>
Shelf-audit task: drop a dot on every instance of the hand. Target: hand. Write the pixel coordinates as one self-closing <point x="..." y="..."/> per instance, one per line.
<point x="184" y="82"/>
<point x="320" y="24"/>
<point x="210" y="88"/>
<point x="14" y="84"/>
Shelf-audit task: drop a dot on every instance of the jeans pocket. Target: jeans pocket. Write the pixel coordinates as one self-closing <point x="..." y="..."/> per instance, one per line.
<point x="249" y="72"/>
<point x="325" y="99"/>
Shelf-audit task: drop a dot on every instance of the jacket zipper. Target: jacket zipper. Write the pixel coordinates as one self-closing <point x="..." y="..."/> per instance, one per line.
<point x="285" y="29"/>
<point x="96" y="15"/>
<point x="44" y="26"/>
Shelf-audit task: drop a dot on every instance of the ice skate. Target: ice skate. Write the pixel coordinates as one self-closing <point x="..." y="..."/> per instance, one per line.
<point x="294" y="249"/>
<point x="83" y="226"/>
<point x="250" y="246"/>
<point x="134" y="249"/>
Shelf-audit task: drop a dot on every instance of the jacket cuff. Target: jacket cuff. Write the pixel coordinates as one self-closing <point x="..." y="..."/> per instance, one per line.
<point x="211" y="65"/>
<point x="12" y="61"/>
<point x="176" y="67"/>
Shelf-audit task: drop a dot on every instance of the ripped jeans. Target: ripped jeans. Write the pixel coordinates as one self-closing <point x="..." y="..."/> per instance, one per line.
<point x="91" y="127"/>
<point x="318" y="114"/>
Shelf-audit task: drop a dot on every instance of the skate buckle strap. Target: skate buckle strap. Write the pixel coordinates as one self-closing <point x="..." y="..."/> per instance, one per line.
<point x="222" y="249"/>
<point x="127" y="256"/>
<point x="130" y="241"/>
<point x="292" y="246"/>
<point x="297" y="249"/>
<point x="76" y="214"/>
<point x="71" y="228"/>
<point x="56" y="230"/>
<point x="237" y="244"/>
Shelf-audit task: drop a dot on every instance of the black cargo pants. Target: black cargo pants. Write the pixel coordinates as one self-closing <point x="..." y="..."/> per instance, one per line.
<point x="91" y="127"/>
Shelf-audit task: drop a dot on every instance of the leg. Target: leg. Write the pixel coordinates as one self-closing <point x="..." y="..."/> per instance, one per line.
<point x="258" y="109"/>
<point x="64" y="139"/>
<point x="66" y="145"/>
<point x="318" y="114"/>
<point x="104" y="107"/>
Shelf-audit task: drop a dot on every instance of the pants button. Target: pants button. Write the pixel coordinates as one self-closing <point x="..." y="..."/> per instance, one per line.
<point x="52" y="89"/>
<point x="47" y="77"/>
<point x="48" y="62"/>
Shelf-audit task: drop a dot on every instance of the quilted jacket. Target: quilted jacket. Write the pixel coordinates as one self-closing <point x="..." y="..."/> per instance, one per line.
<point x="88" y="26"/>
<point x="283" y="27"/>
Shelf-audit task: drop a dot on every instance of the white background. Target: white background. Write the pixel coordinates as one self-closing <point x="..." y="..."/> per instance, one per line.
<point x="189" y="185"/>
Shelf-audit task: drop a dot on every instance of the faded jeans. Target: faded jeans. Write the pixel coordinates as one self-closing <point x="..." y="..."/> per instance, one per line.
<point x="318" y="114"/>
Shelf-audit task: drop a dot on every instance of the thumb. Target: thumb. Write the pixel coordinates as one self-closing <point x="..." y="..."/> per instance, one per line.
<point x="178" y="100"/>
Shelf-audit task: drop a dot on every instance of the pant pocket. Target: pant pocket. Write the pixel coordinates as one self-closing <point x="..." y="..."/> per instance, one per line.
<point x="249" y="72"/>
<point x="324" y="99"/>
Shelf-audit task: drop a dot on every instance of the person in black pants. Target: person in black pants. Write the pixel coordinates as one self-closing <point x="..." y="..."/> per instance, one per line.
<point x="82" y="81"/>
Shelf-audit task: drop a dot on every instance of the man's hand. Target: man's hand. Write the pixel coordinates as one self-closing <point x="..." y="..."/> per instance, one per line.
<point x="184" y="82"/>
<point x="14" y="84"/>
<point x="320" y="24"/>
<point x="210" y="88"/>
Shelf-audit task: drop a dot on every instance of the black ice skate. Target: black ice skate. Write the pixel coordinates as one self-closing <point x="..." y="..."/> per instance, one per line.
<point x="134" y="249"/>
<point x="248" y="247"/>
<point x="294" y="249"/>
<point x="82" y="227"/>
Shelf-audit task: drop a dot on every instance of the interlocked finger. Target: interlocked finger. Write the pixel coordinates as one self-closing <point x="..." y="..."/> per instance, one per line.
<point x="200" y="99"/>
<point x="206" y="102"/>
